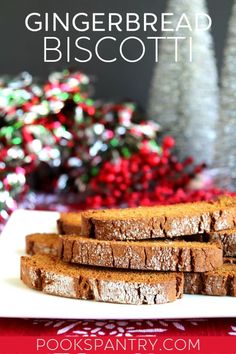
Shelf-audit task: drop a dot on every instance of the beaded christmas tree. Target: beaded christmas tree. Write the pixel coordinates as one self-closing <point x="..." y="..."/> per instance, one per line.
<point x="225" y="157"/>
<point x="184" y="90"/>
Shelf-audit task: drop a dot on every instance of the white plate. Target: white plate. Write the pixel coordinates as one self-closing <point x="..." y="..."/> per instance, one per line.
<point x="19" y="301"/>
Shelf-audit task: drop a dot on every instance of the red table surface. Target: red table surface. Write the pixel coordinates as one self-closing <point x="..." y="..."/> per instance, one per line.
<point x="187" y="327"/>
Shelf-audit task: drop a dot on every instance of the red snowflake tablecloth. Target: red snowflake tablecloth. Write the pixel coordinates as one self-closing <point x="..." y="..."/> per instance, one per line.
<point x="216" y="336"/>
<point x="43" y="336"/>
<point x="199" y="327"/>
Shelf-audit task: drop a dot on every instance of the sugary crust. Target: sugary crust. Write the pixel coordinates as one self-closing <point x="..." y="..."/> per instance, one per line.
<point x="57" y="278"/>
<point x="69" y="223"/>
<point x="160" y="222"/>
<point x="221" y="282"/>
<point x="177" y="256"/>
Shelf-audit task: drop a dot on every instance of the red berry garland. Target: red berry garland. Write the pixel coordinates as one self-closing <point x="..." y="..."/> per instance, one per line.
<point x="147" y="178"/>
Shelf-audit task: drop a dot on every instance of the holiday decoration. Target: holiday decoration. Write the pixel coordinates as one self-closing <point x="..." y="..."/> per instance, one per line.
<point x="225" y="157"/>
<point x="148" y="177"/>
<point x="31" y="131"/>
<point x="184" y="92"/>
<point x="56" y="140"/>
<point x="107" y="133"/>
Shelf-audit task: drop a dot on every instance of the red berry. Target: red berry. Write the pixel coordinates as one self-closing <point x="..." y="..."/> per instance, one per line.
<point x="168" y="142"/>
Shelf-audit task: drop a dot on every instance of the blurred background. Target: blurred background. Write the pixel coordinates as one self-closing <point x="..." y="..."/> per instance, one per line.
<point x="23" y="50"/>
<point x="82" y="139"/>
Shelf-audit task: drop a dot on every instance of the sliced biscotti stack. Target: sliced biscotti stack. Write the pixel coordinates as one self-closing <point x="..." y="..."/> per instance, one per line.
<point x="103" y="231"/>
<point x="70" y="224"/>
<point x="137" y="255"/>
<point x="131" y="242"/>
<point x="196" y="221"/>
<point x="122" y="229"/>
<point x="43" y="271"/>
<point x="221" y="281"/>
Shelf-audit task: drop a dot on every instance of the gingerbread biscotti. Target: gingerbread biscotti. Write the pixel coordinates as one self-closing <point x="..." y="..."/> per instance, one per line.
<point x="42" y="244"/>
<point x="52" y="276"/>
<point x="69" y="223"/>
<point x="156" y="255"/>
<point x="160" y="221"/>
<point x="221" y="282"/>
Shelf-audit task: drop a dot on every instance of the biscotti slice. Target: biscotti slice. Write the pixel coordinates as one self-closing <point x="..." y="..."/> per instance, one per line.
<point x="69" y="223"/>
<point x="227" y="239"/>
<point x="42" y="244"/>
<point x="160" y="221"/>
<point x="52" y="276"/>
<point x="221" y="282"/>
<point x="157" y="255"/>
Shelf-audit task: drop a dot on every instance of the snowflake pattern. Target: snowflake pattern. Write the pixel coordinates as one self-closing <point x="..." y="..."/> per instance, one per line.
<point x="233" y="332"/>
<point x="129" y="328"/>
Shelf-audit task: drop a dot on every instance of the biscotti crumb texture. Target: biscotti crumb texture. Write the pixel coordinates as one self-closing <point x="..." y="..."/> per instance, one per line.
<point x="42" y="244"/>
<point x="161" y="221"/>
<point x="144" y="255"/>
<point x="52" y="276"/>
<point x="69" y="223"/>
<point x="221" y="282"/>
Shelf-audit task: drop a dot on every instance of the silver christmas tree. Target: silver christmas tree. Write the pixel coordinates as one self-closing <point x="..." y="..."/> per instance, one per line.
<point x="184" y="95"/>
<point x="225" y="157"/>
